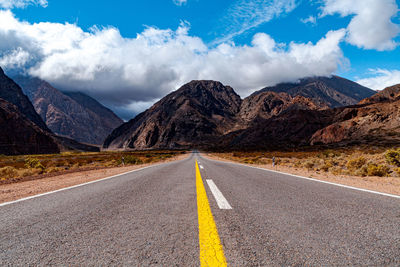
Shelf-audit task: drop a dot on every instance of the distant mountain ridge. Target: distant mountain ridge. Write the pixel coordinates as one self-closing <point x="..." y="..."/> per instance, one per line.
<point x="331" y="91"/>
<point x="207" y="114"/>
<point x="70" y="114"/>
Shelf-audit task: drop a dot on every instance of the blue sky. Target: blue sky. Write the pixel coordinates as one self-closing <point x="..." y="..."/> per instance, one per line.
<point x="144" y="49"/>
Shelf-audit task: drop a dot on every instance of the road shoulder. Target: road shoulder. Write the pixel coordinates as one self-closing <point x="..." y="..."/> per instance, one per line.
<point x="15" y="191"/>
<point x="388" y="185"/>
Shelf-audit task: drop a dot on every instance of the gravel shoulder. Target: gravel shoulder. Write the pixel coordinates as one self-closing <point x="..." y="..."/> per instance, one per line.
<point x="390" y="185"/>
<point x="14" y="191"/>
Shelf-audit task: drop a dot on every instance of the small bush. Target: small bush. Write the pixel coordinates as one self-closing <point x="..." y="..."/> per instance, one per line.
<point x="133" y="160"/>
<point x="33" y="163"/>
<point x="309" y="164"/>
<point x="8" y="172"/>
<point x="397" y="170"/>
<point x="378" y="170"/>
<point x="335" y="170"/>
<point x="327" y="165"/>
<point x="54" y="169"/>
<point x="25" y="172"/>
<point x="393" y="157"/>
<point x="355" y="164"/>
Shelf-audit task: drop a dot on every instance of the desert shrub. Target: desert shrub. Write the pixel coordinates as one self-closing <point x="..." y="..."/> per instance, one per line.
<point x="355" y="164"/>
<point x="327" y="165"/>
<point x="397" y="170"/>
<point x="336" y="170"/>
<point x="378" y="170"/>
<point x="25" y="172"/>
<point x="393" y="157"/>
<point x="309" y="164"/>
<point x="53" y="169"/>
<point x="8" y="172"/>
<point x="111" y="163"/>
<point x="133" y="160"/>
<point x="297" y="163"/>
<point x="33" y="163"/>
<point x="363" y="171"/>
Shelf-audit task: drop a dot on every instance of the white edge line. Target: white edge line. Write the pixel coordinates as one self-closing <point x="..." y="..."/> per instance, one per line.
<point x="79" y="185"/>
<point x="223" y="204"/>
<point x="312" y="179"/>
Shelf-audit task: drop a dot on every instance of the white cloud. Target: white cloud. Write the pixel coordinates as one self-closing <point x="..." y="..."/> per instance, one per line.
<point x="179" y="2"/>
<point x="371" y="26"/>
<point x="311" y="19"/>
<point x="120" y="71"/>
<point x="9" y="4"/>
<point x="381" y="79"/>
<point x="244" y="15"/>
<point x="16" y="58"/>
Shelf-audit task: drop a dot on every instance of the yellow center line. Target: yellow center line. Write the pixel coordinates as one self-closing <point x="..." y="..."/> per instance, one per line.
<point x="211" y="251"/>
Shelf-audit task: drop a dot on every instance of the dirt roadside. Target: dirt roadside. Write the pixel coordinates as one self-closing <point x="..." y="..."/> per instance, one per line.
<point x="390" y="185"/>
<point x="14" y="191"/>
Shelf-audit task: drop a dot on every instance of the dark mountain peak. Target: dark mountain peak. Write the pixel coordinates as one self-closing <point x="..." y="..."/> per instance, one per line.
<point x="1" y="71"/>
<point x="195" y="113"/>
<point x="334" y="91"/>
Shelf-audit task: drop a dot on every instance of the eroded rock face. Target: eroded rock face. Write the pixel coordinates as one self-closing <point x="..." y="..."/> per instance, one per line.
<point x="375" y="123"/>
<point x="74" y="115"/>
<point x="391" y="93"/>
<point x="264" y="105"/>
<point x="197" y="113"/>
<point x="19" y="135"/>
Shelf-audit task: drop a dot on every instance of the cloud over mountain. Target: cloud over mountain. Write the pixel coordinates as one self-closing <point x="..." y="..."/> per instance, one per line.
<point x="106" y="65"/>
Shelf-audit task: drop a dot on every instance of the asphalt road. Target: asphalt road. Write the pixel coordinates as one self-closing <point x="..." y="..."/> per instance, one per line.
<point x="150" y="218"/>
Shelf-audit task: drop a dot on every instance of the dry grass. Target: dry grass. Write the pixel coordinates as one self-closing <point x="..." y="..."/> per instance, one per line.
<point x="21" y="168"/>
<point x="354" y="162"/>
<point x="370" y="168"/>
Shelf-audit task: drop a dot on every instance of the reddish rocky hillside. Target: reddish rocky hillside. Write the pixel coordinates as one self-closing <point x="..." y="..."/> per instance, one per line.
<point x="374" y="121"/>
<point x="207" y="114"/>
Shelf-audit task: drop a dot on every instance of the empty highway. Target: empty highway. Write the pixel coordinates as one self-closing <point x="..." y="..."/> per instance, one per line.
<point x="199" y="211"/>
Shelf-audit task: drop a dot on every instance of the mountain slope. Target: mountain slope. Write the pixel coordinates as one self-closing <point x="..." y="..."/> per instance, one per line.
<point x="12" y="93"/>
<point x="266" y="104"/>
<point x="196" y="114"/>
<point x="72" y="115"/>
<point x="333" y="91"/>
<point x="374" y="121"/>
<point x="19" y="135"/>
<point x="207" y="114"/>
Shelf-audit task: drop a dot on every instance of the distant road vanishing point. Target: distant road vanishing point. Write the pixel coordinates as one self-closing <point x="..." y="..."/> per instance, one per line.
<point x="199" y="211"/>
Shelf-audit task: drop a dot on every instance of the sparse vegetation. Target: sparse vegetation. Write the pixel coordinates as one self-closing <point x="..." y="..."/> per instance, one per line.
<point x="15" y="168"/>
<point x="360" y="161"/>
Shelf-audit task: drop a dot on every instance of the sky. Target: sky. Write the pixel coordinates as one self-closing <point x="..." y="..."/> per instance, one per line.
<point x="128" y="54"/>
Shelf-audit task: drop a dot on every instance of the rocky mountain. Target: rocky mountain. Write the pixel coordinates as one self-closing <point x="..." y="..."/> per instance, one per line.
<point x="374" y="121"/>
<point x="19" y="135"/>
<point x="331" y="91"/>
<point x="12" y="93"/>
<point x="196" y="114"/>
<point x="207" y="114"/>
<point x="73" y="115"/>
<point x="267" y="104"/>
<point x="389" y="94"/>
